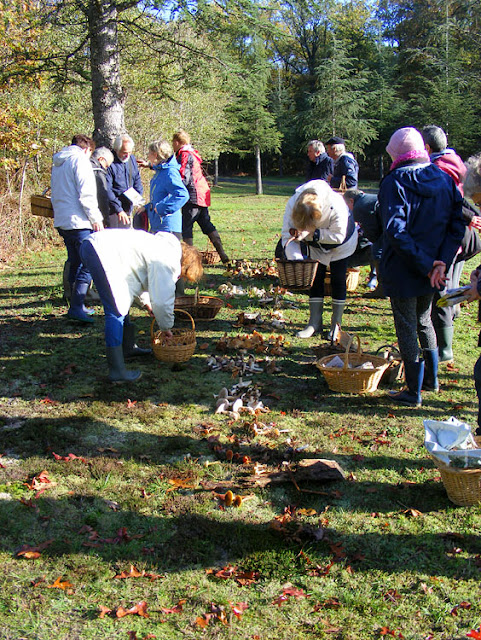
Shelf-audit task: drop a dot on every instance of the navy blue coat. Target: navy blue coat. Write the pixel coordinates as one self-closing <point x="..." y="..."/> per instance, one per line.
<point x="347" y="166"/>
<point x="365" y="213"/>
<point x="421" y="213"/>
<point x="320" y="169"/>
<point x="121" y="176"/>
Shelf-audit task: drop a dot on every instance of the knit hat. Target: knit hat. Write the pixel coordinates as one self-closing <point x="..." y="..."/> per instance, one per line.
<point x="406" y="144"/>
<point x="335" y="140"/>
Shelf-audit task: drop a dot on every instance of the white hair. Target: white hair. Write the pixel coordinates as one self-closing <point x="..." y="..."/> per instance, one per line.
<point x="123" y="137"/>
<point x="103" y="152"/>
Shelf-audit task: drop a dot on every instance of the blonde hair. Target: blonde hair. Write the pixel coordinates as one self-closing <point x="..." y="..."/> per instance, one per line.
<point x="191" y="263"/>
<point x="307" y="210"/>
<point x="182" y="137"/>
<point x="162" y="149"/>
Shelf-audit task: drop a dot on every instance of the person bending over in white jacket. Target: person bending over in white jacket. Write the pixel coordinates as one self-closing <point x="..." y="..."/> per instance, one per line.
<point x="318" y="225"/>
<point x="128" y="264"/>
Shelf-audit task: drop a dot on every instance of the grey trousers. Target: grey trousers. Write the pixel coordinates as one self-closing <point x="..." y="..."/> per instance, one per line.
<point x="412" y="320"/>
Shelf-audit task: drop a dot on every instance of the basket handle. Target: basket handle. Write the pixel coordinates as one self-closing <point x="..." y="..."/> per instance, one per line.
<point x="390" y="348"/>
<point x="346" y="354"/>
<point x="175" y="311"/>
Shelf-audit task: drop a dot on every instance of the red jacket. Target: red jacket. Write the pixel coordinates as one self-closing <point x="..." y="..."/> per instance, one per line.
<point x="451" y="163"/>
<point x="193" y="176"/>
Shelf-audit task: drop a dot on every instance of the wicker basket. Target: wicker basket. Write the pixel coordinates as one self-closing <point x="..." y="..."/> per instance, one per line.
<point x="352" y="281"/>
<point x="210" y="255"/>
<point x="463" y="486"/>
<point x="179" y="348"/>
<point x="349" y="380"/>
<point x="296" y="275"/>
<point x="41" y="206"/>
<point x="200" y="307"/>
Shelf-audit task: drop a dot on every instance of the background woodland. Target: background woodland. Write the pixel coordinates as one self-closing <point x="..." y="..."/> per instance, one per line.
<point x="251" y="81"/>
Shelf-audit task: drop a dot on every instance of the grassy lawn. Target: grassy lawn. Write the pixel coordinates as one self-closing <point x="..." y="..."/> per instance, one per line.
<point x="139" y="513"/>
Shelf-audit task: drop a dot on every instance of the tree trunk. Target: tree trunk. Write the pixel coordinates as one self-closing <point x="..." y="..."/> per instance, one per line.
<point x="216" y="171"/>
<point x="107" y="93"/>
<point x="258" y="171"/>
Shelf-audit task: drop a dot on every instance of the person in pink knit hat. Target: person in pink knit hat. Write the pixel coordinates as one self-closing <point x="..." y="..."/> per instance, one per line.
<point x="421" y="215"/>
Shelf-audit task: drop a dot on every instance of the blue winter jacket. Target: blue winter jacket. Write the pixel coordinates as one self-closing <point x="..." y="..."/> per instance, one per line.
<point x="120" y="177"/>
<point x="320" y="169"/>
<point x="167" y="197"/>
<point x="347" y="166"/>
<point x="421" y="213"/>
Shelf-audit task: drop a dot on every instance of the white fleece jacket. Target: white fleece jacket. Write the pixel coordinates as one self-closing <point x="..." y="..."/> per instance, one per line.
<point x="136" y="262"/>
<point x="74" y="191"/>
<point x="332" y="227"/>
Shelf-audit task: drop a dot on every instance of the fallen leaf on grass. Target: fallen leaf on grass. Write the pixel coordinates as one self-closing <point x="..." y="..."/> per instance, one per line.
<point x="461" y="605"/>
<point x="474" y="634"/>
<point x="133" y="636"/>
<point x="331" y="603"/>
<point x="36" y="581"/>
<point x="290" y="592"/>
<point x="131" y="403"/>
<point x="48" y="400"/>
<point x="238" y="609"/>
<point x="58" y="584"/>
<point x="243" y="578"/>
<point x="412" y="513"/>
<point x="133" y="573"/>
<point x="40" y="483"/>
<point x="175" y="609"/>
<point x="32" y="553"/>
<point x="139" y="609"/>
<point x="68" y="458"/>
<point x="217" y="612"/>
<point x="391" y="595"/>
<point x="385" y="631"/>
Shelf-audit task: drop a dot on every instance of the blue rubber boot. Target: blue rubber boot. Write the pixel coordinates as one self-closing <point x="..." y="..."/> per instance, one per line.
<point x="431" y="359"/>
<point x="78" y="311"/>
<point x="411" y="397"/>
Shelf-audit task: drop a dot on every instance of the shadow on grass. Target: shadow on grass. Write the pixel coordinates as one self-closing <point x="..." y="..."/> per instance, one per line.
<point x="178" y="539"/>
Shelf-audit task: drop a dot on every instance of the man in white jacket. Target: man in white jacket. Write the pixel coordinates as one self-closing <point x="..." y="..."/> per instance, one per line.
<point x="76" y="215"/>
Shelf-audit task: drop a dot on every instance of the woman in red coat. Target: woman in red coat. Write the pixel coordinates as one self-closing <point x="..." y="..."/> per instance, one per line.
<point x="196" y="210"/>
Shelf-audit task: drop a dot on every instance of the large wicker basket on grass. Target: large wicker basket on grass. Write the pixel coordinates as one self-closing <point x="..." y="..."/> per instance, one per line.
<point x="200" y="307"/>
<point x="296" y="275"/>
<point x="463" y="486"/>
<point x="350" y="380"/>
<point x="180" y="347"/>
